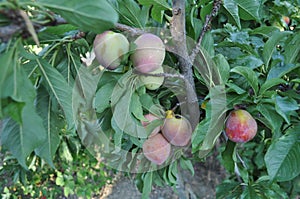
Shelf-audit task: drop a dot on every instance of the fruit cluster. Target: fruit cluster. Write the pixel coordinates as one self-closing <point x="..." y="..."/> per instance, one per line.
<point x="110" y="48"/>
<point x="176" y="130"/>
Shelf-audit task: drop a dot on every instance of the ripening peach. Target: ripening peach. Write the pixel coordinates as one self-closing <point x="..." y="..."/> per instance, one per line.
<point x="287" y="20"/>
<point x="150" y="117"/>
<point x="240" y="126"/>
<point x="157" y="149"/>
<point x="177" y="130"/>
<point x="109" y="48"/>
<point x="149" y="53"/>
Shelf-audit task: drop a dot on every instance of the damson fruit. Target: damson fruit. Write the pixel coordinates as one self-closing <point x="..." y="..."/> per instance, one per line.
<point x="151" y="82"/>
<point x="150" y="117"/>
<point x="240" y="126"/>
<point x="157" y="149"/>
<point x="177" y="129"/>
<point x="109" y="48"/>
<point x="149" y="53"/>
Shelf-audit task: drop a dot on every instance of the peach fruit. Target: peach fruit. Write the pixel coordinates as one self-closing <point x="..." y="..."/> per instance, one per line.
<point x="177" y="129"/>
<point x="287" y="20"/>
<point x="109" y="48"/>
<point x="149" y="53"/>
<point x="150" y="117"/>
<point x="157" y="149"/>
<point x="240" y="126"/>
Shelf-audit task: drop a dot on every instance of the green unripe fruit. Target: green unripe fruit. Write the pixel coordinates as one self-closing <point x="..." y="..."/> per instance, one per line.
<point x="109" y="48"/>
<point x="151" y="82"/>
<point x="149" y="54"/>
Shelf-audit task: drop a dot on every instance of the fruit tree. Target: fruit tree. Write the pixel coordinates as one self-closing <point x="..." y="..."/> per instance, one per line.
<point x="150" y="88"/>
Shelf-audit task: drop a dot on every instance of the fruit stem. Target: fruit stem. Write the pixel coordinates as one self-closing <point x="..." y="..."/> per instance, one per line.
<point x="169" y="114"/>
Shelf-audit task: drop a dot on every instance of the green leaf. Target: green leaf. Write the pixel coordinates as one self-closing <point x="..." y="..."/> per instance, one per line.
<point x="159" y="3"/>
<point x="283" y="157"/>
<point x="52" y="124"/>
<point x="249" y="75"/>
<point x="199" y="134"/>
<point x="157" y="14"/>
<point x="65" y="152"/>
<point x="121" y="104"/>
<point x="172" y="173"/>
<point x="250" y="192"/>
<point x="222" y="66"/>
<point x="13" y="109"/>
<point x="58" y="86"/>
<point x="274" y="121"/>
<point x="14" y="81"/>
<point x="269" y="84"/>
<point x="18" y="136"/>
<point x="147" y="185"/>
<point x="215" y="113"/>
<point x="266" y="31"/>
<point x="204" y="11"/>
<point x="235" y="88"/>
<point x="227" y="156"/>
<point x="103" y="96"/>
<point x="59" y="179"/>
<point x="229" y="190"/>
<point x="271" y="44"/>
<point x="136" y="107"/>
<point x="6" y="69"/>
<point x="291" y="49"/>
<point x="281" y="69"/>
<point x="285" y="106"/>
<point x="131" y="14"/>
<point x="187" y="164"/>
<point x="246" y="47"/>
<point x="245" y="9"/>
<point x="248" y="9"/>
<point x="23" y="139"/>
<point x="250" y="61"/>
<point x="88" y="15"/>
<point x="233" y="10"/>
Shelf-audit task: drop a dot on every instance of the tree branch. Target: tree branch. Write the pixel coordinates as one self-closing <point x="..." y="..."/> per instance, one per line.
<point x="178" y="32"/>
<point x="205" y="28"/>
<point x="131" y="30"/>
<point x="167" y="75"/>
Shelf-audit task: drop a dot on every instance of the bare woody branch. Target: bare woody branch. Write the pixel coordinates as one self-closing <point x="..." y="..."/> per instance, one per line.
<point x="205" y="28"/>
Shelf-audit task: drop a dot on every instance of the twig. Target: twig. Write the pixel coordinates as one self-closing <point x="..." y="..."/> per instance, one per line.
<point x="131" y="30"/>
<point x="168" y="75"/>
<point x="205" y="28"/>
<point x="7" y="31"/>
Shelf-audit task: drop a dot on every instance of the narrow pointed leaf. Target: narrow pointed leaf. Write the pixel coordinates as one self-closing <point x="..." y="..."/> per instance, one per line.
<point x="249" y="75"/>
<point x="270" y="45"/>
<point x="58" y="86"/>
<point x="52" y="125"/>
<point x="232" y="8"/>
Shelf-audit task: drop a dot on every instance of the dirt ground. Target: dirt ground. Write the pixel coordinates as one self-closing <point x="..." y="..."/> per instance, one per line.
<point x="200" y="186"/>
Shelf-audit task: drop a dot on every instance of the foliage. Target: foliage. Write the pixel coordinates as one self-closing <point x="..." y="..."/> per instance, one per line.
<point x="56" y="108"/>
<point x="76" y="173"/>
